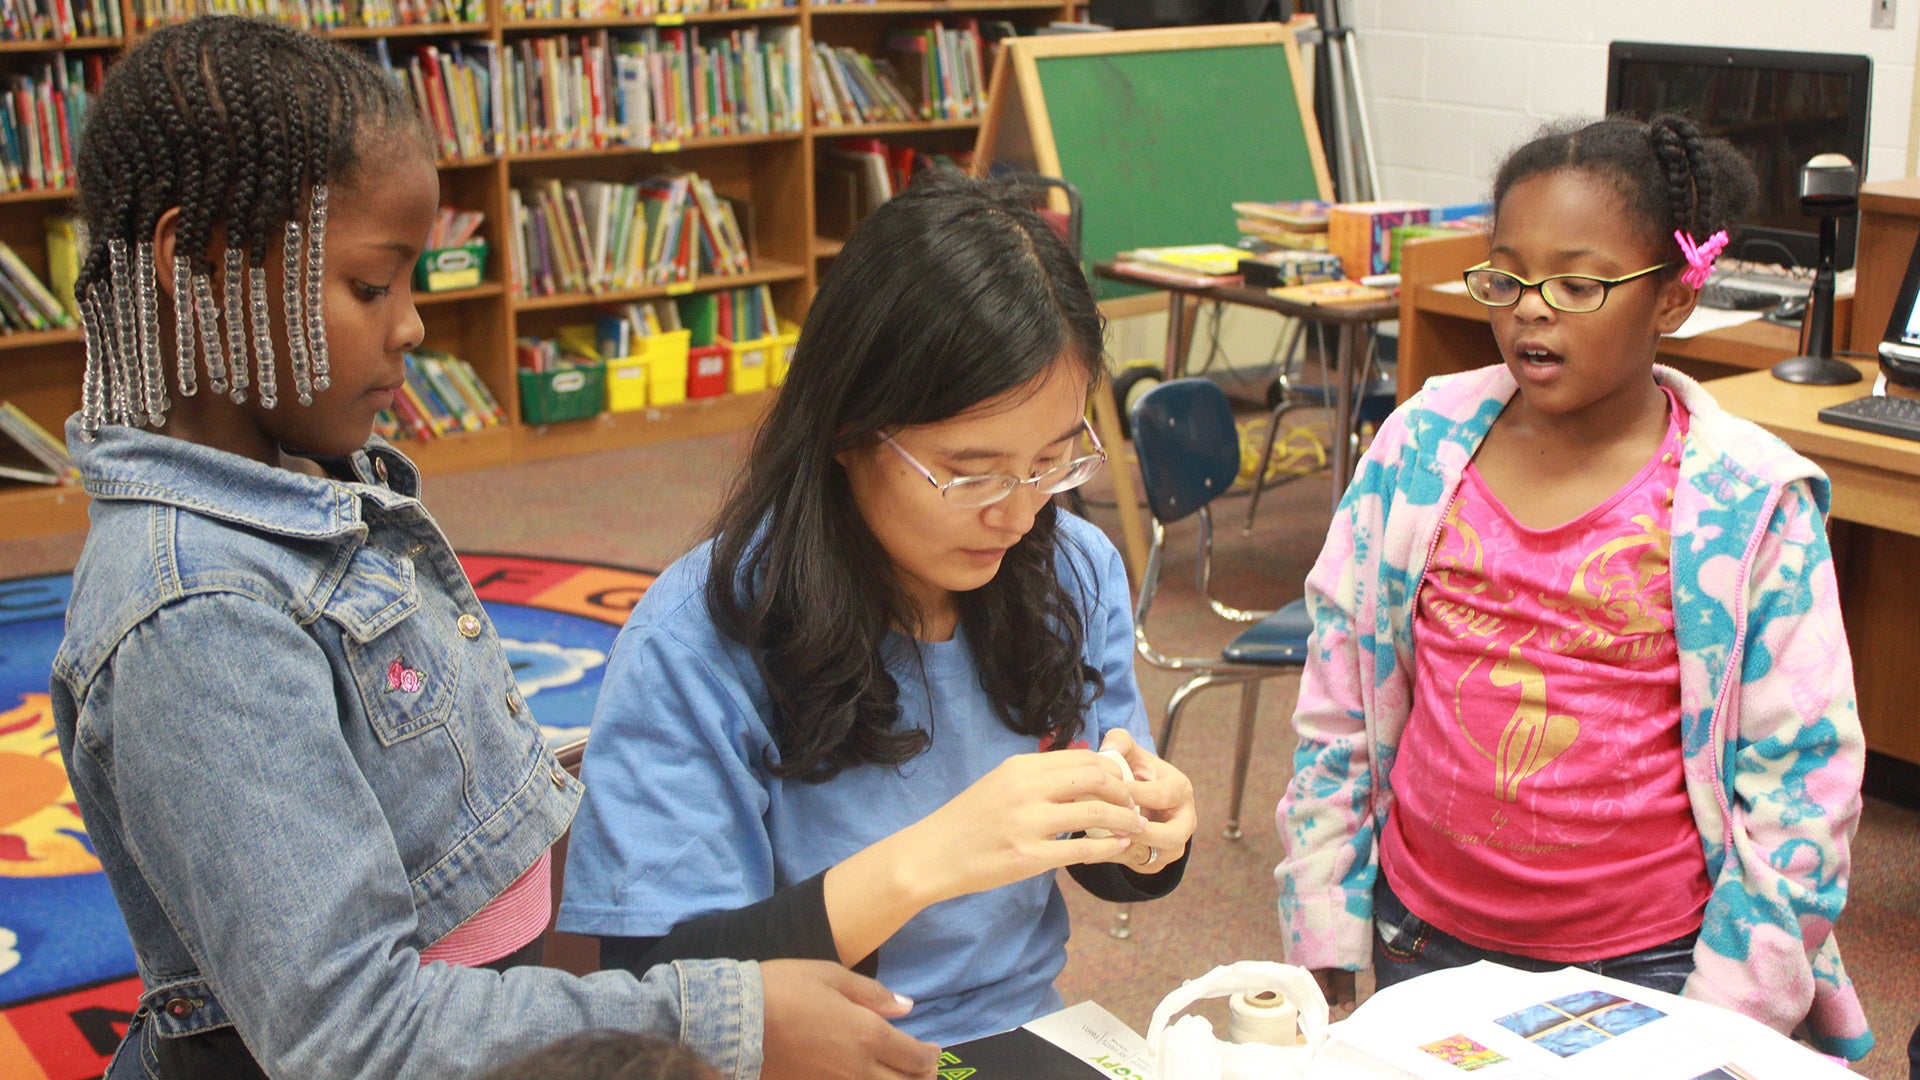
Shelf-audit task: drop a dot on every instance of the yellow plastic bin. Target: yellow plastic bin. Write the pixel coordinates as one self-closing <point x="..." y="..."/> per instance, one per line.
<point x="762" y="362"/>
<point x="627" y="384"/>
<point x="666" y="360"/>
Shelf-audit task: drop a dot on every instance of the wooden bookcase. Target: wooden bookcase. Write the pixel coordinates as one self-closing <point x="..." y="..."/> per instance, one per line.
<point x="773" y="173"/>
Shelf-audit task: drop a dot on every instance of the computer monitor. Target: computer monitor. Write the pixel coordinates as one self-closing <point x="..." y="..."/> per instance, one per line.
<point x="1778" y="108"/>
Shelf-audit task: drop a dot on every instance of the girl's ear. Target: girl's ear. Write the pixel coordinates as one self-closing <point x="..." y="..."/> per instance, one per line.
<point x="164" y="233"/>
<point x="1677" y="301"/>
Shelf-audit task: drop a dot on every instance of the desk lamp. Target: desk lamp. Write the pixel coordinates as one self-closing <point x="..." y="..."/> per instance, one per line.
<point x="1829" y="190"/>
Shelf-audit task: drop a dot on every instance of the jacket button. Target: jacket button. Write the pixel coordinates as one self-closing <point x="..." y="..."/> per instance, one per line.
<point x="559" y="777"/>
<point x="380" y="469"/>
<point x="469" y="625"/>
<point x="178" y="1008"/>
<point x="513" y="702"/>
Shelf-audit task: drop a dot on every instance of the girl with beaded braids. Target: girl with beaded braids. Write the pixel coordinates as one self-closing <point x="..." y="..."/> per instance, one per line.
<point x="321" y="802"/>
<point x="1579" y="691"/>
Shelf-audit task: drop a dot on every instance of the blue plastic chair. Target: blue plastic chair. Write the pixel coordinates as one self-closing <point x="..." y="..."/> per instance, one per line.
<point x="1189" y="451"/>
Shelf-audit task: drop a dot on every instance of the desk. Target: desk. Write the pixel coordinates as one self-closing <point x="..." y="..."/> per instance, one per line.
<point x="1349" y="319"/>
<point x="1876" y="540"/>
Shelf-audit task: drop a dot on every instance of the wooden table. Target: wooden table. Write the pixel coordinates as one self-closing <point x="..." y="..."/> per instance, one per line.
<point x="1876" y="541"/>
<point x="1349" y="321"/>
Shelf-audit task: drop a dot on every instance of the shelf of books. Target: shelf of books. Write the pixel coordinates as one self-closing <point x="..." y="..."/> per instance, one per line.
<point x="639" y="199"/>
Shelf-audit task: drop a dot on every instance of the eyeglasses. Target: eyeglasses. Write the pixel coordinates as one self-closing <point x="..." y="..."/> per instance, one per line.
<point x="1574" y="294"/>
<point x="989" y="488"/>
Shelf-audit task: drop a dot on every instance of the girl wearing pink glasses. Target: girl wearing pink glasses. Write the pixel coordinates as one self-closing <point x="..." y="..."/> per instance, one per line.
<point x="855" y="725"/>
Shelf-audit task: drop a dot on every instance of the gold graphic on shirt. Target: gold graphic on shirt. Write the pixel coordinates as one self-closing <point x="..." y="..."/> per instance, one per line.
<point x="1533" y="738"/>
<point x="1621" y="603"/>
<point x="1468" y="563"/>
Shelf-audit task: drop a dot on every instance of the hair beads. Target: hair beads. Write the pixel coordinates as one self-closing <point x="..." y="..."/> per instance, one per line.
<point x="291" y="290"/>
<point x="316" y="257"/>
<point x="183" y="336"/>
<point x="269" y="386"/>
<point x="231" y="302"/>
<point x="124" y="338"/>
<point x="153" y="377"/>
<point x="208" y="317"/>
<point x="236" y="127"/>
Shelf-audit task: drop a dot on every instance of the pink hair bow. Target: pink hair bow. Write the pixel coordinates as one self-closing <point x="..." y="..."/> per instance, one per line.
<point x="1700" y="256"/>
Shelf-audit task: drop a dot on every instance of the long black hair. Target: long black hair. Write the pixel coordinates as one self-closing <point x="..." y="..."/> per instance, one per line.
<point x="1671" y="176"/>
<point x="951" y="293"/>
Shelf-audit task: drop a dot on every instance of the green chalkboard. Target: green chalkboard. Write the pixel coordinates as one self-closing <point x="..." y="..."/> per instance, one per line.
<point x="1161" y="143"/>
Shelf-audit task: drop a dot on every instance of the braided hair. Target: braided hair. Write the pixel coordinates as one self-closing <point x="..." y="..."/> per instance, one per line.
<point x="241" y="124"/>
<point x="1671" y="177"/>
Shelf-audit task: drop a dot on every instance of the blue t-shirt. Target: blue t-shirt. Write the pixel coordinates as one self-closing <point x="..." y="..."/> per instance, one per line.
<point x="682" y="819"/>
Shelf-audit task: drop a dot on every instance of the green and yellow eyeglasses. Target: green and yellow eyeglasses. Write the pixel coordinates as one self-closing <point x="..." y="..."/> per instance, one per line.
<point x="1575" y="294"/>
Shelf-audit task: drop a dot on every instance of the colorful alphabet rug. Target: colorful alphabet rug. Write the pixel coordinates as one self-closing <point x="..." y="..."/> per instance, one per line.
<point x="67" y="983"/>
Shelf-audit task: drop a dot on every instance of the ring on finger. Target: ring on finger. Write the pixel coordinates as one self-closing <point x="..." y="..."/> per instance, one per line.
<point x="1153" y="856"/>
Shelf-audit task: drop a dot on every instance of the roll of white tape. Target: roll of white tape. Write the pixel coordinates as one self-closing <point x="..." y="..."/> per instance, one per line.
<point x="1126" y="770"/>
<point x="1265" y="1016"/>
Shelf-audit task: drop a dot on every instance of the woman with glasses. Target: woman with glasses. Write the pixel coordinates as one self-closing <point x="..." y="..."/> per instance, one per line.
<point x="1579" y="692"/>
<point x="856" y="724"/>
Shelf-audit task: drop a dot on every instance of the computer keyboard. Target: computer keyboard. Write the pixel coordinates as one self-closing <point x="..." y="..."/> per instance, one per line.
<point x="1898" y="417"/>
<point x="1729" y="297"/>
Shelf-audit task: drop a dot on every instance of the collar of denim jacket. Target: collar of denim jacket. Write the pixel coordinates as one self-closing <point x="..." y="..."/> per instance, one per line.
<point x="128" y="464"/>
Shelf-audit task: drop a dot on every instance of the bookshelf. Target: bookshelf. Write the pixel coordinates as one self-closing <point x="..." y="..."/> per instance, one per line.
<point x="770" y="176"/>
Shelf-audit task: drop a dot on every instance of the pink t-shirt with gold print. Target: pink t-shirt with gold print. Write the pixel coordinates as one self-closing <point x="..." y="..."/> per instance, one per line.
<point x="1539" y="803"/>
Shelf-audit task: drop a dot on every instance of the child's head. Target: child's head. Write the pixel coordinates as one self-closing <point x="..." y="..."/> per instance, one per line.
<point x="234" y="168"/>
<point x="1602" y="202"/>
<point x="954" y="334"/>
<point x="607" y="1055"/>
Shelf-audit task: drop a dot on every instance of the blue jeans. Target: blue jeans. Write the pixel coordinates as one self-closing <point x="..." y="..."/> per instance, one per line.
<point x="1405" y="945"/>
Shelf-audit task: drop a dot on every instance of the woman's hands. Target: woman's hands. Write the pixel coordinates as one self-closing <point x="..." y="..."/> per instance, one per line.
<point x="1165" y="797"/>
<point x="1021" y="819"/>
<point x="823" y="1022"/>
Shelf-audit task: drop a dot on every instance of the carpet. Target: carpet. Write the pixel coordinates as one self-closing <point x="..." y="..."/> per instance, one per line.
<point x="67" y="982"/>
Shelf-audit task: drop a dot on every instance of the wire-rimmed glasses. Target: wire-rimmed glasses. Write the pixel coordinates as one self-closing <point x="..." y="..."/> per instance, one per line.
<point x="986" y="489"/>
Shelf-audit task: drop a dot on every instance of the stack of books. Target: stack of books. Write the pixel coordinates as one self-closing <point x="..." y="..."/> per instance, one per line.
<point x="457" y="89"/>
<point x="25" y="301"/>
<point x="58" y="20"/>
<point x="850" y="87"/>
<point x="941" y="62"/>
<point x="651" y="86"/>
<point x="41" y="117"/>
<point x="598" y="236"/>
<point x="315" y="14"/>
<point x="1192" y="265"/>
<point x="518" y="10"/>
<point x="1299" y="225"/>
<point x="36" y="457"/>
<point x="442" y="396"/>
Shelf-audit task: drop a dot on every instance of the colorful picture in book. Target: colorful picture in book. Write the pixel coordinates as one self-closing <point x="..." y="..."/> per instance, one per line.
<point x="1568" y="1025"/>
<point x="1727" y="1072"/>
<point x="1463" y="1053"/>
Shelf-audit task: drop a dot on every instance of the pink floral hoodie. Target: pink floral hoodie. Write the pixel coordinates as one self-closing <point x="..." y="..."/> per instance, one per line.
<point x="1773" y="747"/>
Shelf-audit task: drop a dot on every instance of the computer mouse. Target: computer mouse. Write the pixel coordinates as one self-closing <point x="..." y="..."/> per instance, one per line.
<point x="1788" y="310"/>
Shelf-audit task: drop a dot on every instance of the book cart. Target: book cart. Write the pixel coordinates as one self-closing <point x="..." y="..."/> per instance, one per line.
<point x="769" y="177"/>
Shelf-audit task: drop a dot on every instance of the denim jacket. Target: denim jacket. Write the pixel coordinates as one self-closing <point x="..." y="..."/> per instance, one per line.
<point x="301" y="758"/>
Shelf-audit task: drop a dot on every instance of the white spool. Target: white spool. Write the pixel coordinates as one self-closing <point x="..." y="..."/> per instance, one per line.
<point x="1265" y="1016"/>
<point x="1126" y="770"/>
